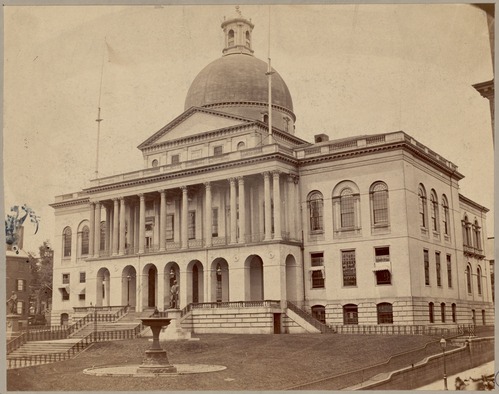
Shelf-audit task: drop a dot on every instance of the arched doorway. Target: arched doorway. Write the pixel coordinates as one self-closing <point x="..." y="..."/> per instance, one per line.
<point x="172" y="285"/>
<point x="64" y="319"/>
<point x="195" y="282"/>
<point x="219" y="280"/>
<point x="319" y="312"/>
<point x="149" y="286"/>
<point x="129" y="287"/>
<point x="254" y="278"/>
<point x="291" y="278"/>
<point x="103" y="288"/>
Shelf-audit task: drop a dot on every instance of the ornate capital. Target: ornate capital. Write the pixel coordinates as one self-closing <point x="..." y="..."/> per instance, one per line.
<point x="240" y="179"/>
<point x="141" y="196"/>
<point x="276" y="173"/>
<point x="162" y="192"/>
<point x="184" y="189"/>
<point x="232" y="181"/>
<point x="207" y="185"/>
<point x="266" y="174"/>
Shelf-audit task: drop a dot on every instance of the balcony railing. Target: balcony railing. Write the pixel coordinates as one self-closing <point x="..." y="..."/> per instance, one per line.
<point x="382" y="259"/>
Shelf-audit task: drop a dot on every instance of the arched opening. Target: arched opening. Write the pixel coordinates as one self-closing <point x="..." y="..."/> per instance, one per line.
<point x="219" y="280"/>
<point x="483" y="317"/>
<point x="453" y="313"/>
<point x="254" y="278"/>
<point x="171" y="279"/>
<point x="231" y="38"/>
<point x="385" y="313"/>
<point x="431" y="312"/>
<point x="350" y="314"/>
<point x="292" y="270"/>
<point x="103" y="288"/>
<point x="129" y="287"/>
<point x="319" y="312"/>
<point x="64" y="319"/>
<point x="195" y="282"/>
<point x="149" y="286"/>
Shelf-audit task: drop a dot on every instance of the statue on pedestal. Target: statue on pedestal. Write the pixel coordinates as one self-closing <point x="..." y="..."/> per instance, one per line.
<point x="12" y="304"/>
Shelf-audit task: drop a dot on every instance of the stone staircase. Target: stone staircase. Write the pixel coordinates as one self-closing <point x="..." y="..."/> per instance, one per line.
<point x="43" y="347"/>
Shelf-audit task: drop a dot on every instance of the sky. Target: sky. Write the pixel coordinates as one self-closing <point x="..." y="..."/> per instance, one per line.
<point x="351" y="70"/>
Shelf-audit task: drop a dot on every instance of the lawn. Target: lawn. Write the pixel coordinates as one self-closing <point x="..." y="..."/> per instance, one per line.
<point x="254" y="362"/>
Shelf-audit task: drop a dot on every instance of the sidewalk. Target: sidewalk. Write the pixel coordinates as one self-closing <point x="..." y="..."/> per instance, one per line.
<point x="477" y="372"/>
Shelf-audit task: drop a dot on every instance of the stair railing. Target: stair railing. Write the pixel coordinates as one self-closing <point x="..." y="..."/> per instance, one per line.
<point x="323" y="328"/>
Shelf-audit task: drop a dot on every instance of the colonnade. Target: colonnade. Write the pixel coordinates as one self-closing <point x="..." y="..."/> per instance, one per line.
<point x="265" y="215"/>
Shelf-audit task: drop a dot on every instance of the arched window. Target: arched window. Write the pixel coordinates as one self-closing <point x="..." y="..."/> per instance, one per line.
<point x="445" y="218"/>
<point x="315" y="206"/>
<point x="85" y="240"/>
<point x="434" y="211"/>
<point x="347" y="208"/>
<point x="479" y="280"/>
<point x="231" y="38"/>
<point x="379" y="204"/>
<point x="241" y="145"/>
<point x="319" y="312"/>
<point x="422" y="206"/>
<point x="66" y="242"/>
<point x="467" y="240"/>
<point x="265" y="118"/>
<point x="468" y="278"/>
<point x="442" y="312"/>
<point x="385" y="313"/>
<point x="155" y="163"/>
<point x="431" y="312"/>
<point x="453" y="313"/>
<point x="248" y="39"/>
<point x="477" y="236"/>
<point x="102" y="243"/>
<point x="350" y="314"/>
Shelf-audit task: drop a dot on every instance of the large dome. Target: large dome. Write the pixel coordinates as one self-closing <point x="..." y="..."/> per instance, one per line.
<point x="237" y="78"/>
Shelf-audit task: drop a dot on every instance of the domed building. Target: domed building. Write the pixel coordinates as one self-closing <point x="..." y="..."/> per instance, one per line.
<point x="246" y="228"/>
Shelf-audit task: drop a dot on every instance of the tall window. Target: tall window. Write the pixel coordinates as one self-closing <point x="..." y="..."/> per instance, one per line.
<point x="385" y="313"/>
<point x="446" y="222"/>
<point x="426" y="258"/>
<point x="449" y="271"/>
<point x="65" y="279"/>
<point x="479" y="280"/>
<point x="20" y="307"/>
<point x="349" y="270"/>
<point x="231" y="38"/>
<point x="453" y="313"/>
<point x="248" y="41"/>
<point x="467" y="240"/>
<point x="66" y="242"/>
<point x="468" y="278"/>
<point x="83" y="277"/>
<point x="315" y="204"/>
<point x="442" y="312"/>
<point x="169" y="227"/>
<point x="379" y="204"/>
<point x="21" y="285"/>
<point x="431" y="312"/>
<point x="438" y="268"/>
<point x="214" y="222"/>
<point x="191" y="227"/>
<point x="434" y="211"/>
<point x="477" y="235"/>
<point x="422" y="206"/>
<point x="317" y="273"/>
<point x="85" y="240"/>
<point x="102" y="236"/>
<point x="347" y="208"/>
<point x="350" y="314"/>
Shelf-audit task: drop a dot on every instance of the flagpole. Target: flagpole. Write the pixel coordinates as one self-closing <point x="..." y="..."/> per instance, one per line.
<point x="269" y="75"/>
<point x="99" y="119"/>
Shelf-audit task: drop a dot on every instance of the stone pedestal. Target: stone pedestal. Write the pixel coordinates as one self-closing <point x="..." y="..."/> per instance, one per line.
<point x="156" y="360"/>
<point x="12" y="322"/>
<point x="174" y="332"/>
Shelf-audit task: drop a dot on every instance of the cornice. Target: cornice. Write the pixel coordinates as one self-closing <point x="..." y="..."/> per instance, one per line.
<point x="61" y="204"/>
<point x="251" y="103"/>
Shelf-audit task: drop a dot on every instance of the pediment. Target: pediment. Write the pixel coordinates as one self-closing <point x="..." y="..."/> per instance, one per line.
<point x="192" y="122"/>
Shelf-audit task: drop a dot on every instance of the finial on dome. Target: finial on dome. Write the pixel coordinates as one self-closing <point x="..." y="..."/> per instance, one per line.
<point x="238" y="11"/>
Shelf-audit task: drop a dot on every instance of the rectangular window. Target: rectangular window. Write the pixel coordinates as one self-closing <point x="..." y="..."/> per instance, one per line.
<point x="81" y="297"/>
<point x="383" y="277"/>
<point x="349" y="270"/>
<point x="438" y="268"/>
<point x="83" y="277"/>
<point x="20" y="307"/>
<point x="347" y="215"/>
<point x="21" y="285"/>
<point x="218" y="150"/>
<point x="169" y="227"/>
<point x="382" y="254"/>
<point x="214" y="222"/>
<point x="191" y="226"/>
<point x="65" y="294"/>
<point x="317" y="279"/>
<point x="175" y="159"/>
<point x="426" y="267"/>
<point x="65" y="279"/>
<point x="449" y="271"/>
<point x="317" y="259"/>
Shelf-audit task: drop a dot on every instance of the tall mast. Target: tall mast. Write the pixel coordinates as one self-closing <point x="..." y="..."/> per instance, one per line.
<point x="269" y="75"/>
<point x="99" y="119"/>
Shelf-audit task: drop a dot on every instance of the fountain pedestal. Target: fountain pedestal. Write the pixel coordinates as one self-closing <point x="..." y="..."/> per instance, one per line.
<point x="156" y="360"/>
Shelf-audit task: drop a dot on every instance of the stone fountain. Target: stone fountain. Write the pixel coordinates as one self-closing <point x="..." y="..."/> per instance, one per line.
<point x="156" y="360"/>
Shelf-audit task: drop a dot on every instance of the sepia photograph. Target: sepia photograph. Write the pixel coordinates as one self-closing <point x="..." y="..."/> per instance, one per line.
<point x="248" y="197"/>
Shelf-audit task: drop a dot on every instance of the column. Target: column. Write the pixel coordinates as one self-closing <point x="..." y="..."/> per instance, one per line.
<point x="139" y="281"/>
<point x="207" y="283"/>
<point x="182" y="283"/>
<point x="233" y="211"/>
<point x="277" y="206"/>
<point x="157" y="225"/>
<point x="115" y="226"/>
<point x="183" y="219"/>
<point x="108" y="229"/>
<point x="242" y="211"/>
<point x="142" y="222"/>
<point x="162" y="221"/>
<point x="122" y="226"/>
<point x="160" y="285"/>
<point x="91" y="230"/>
<point x="97" y="229"/>
<point x="267" y="207"/>
<point x="208" y="216"/>
<point x="292" y="208"/>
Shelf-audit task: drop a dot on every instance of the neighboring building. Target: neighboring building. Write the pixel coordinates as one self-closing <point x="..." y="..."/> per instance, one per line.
<point x="365" y="230"/>
<point x="491" y="260"/>
<point x="18" y="276"/>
